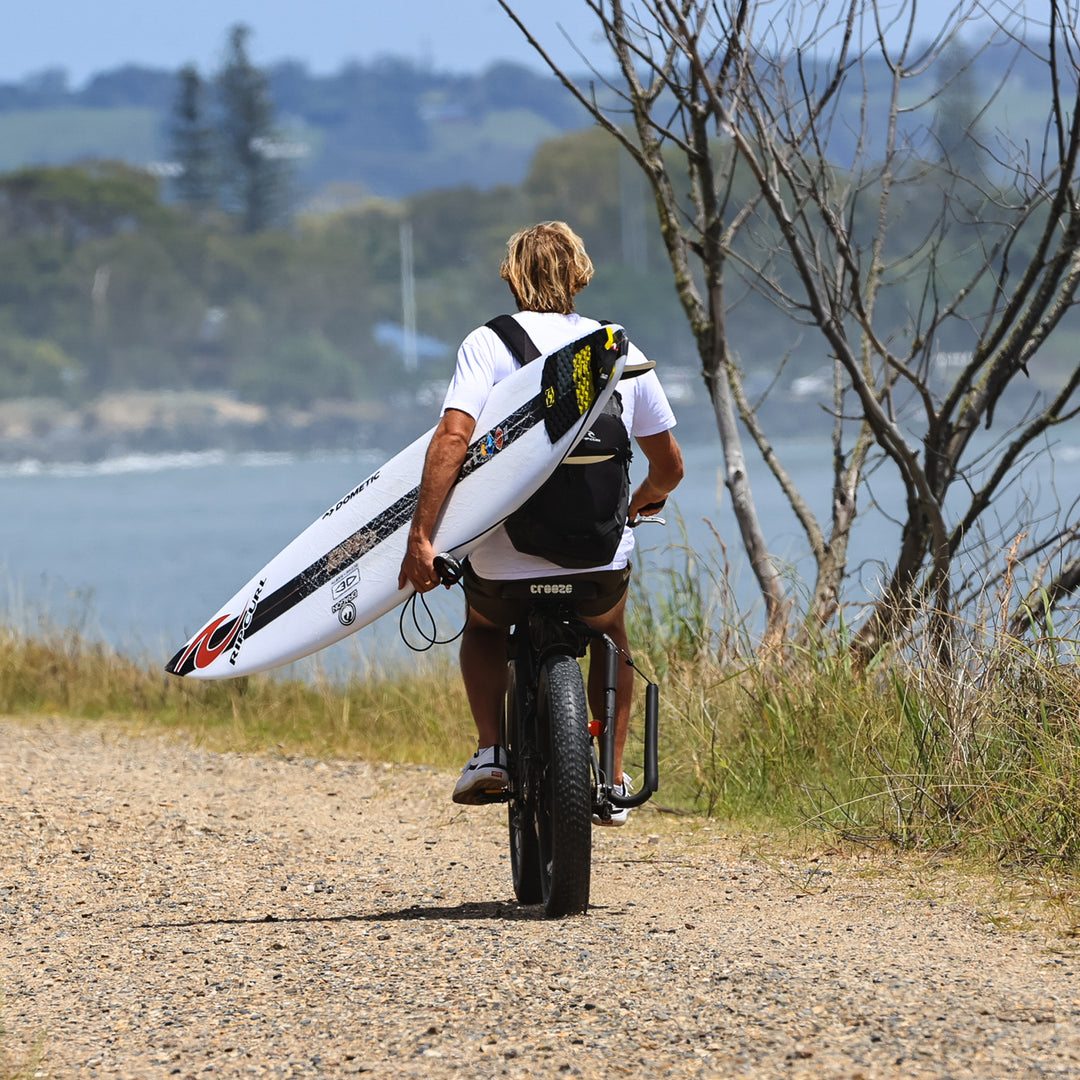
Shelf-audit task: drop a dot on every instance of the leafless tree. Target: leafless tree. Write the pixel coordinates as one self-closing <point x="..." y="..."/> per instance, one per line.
<point x="890" y="212"/>
<point x="664" y="114"/>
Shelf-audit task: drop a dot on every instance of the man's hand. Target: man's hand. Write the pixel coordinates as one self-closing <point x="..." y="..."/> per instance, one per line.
<point x="418" y="566"/>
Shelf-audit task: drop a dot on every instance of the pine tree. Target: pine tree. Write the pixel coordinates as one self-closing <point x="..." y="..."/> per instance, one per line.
<point x="194" y="144"/>
<point x="256" y="179"/>
<point x="957" y="126"/>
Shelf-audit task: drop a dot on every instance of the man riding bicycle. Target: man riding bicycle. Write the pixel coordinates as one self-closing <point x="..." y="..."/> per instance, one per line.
<point x="545" y="266"/>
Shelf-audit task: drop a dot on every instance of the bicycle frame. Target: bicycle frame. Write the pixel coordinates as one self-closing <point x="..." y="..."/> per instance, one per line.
<point x="558" y="781"/>
<point x="553" y="627"/>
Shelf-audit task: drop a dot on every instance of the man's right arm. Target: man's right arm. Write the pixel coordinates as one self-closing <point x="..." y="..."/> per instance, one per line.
<point x="445" y="456"/>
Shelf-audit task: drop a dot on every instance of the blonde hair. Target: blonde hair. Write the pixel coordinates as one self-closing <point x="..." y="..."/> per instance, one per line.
<point x="546" y="266"/>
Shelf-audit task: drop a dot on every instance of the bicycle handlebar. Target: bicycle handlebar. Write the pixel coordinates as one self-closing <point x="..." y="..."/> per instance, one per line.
<point x="649" y="514"/>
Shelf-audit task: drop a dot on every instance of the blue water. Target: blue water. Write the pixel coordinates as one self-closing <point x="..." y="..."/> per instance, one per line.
<point x="140" y="551"/>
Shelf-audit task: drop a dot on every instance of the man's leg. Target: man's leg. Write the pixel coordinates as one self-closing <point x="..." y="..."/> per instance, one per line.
<point x="483" y="670"/>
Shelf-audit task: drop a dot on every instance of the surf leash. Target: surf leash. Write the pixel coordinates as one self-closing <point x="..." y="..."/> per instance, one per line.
<point x="449" y="570"/>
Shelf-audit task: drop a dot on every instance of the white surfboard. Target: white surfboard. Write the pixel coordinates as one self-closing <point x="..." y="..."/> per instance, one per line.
<point x="341" y="573"/>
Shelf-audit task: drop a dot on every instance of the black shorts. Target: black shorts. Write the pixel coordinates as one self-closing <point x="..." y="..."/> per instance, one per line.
<point x="505" y="602"/>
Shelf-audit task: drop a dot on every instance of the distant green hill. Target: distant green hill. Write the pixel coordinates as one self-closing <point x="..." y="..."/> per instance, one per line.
<point x="63" y="135"/>
<point x="492" y="148"/>
<point x="390" y="127"/>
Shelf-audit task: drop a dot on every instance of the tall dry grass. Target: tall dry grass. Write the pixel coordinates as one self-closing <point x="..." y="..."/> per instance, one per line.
<point x="981" y="756"/>
<point x="420" y="715"/>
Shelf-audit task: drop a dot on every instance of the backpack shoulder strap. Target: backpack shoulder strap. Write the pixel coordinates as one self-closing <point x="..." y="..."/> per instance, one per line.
<point x="514" y="337"/>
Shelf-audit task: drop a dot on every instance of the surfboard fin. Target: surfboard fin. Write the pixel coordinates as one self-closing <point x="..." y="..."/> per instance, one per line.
<point x="631" y="371"/>
<point x="585" y="459"/>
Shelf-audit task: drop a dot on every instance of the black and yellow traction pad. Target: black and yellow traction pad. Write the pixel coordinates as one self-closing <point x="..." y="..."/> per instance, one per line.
<point x="572" y="380"/>
<point x="576" y="375"/>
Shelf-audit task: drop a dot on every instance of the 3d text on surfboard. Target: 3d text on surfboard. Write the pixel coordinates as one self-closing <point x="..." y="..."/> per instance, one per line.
<point x="341" y="573"/>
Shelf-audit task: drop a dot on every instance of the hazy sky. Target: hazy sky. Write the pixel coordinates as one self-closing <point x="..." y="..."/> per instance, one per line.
<point x="455" y="35"/>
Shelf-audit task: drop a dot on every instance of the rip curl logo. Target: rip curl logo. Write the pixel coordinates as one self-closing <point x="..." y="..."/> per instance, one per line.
<point x="249" y="614"/>
<point x="210" y="643"/>
<point x="226" y="631"/>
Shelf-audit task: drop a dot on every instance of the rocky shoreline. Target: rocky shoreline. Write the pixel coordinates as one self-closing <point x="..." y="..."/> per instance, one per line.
<point x="48" y="431"/>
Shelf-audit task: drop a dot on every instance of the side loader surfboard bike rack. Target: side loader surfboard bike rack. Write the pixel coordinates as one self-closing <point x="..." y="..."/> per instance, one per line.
<point x="561" y="766"/>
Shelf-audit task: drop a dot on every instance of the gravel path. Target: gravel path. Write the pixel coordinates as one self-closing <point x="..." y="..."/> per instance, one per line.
<point x="172" y="912"/>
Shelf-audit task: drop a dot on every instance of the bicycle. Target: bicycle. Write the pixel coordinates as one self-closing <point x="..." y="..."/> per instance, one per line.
<point x="561" y="764"/>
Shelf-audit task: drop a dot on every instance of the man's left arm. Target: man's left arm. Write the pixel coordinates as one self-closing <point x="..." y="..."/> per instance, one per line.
<point x="665" y="472"/>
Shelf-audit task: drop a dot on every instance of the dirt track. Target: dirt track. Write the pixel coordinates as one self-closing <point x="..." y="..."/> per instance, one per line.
<point x="171" y="912"/>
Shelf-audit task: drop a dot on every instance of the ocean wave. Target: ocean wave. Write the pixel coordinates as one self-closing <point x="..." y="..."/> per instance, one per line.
<point x="144" y="463"/>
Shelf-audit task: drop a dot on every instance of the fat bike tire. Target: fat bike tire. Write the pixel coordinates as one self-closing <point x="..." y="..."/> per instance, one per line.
<point x="564" y="804"/>
<point x="520" y="742"/>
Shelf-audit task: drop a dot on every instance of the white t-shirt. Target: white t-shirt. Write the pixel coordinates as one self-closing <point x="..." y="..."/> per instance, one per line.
<point x="483" y="360"/>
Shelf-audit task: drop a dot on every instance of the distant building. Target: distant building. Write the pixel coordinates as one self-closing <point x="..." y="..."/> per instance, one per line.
<point x="391" y="335"/>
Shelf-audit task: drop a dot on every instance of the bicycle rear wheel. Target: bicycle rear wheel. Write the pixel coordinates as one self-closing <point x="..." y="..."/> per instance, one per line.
<point x="564" y="803"/>
<point x="520" y="742"/>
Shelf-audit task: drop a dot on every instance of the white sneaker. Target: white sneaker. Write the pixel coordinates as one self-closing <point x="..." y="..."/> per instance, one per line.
<point x="619" y="814"/>
<point x="484" y="777"/>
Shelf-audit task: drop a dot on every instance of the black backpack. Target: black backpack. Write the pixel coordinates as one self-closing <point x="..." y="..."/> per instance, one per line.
<point x="576" y="518"/>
